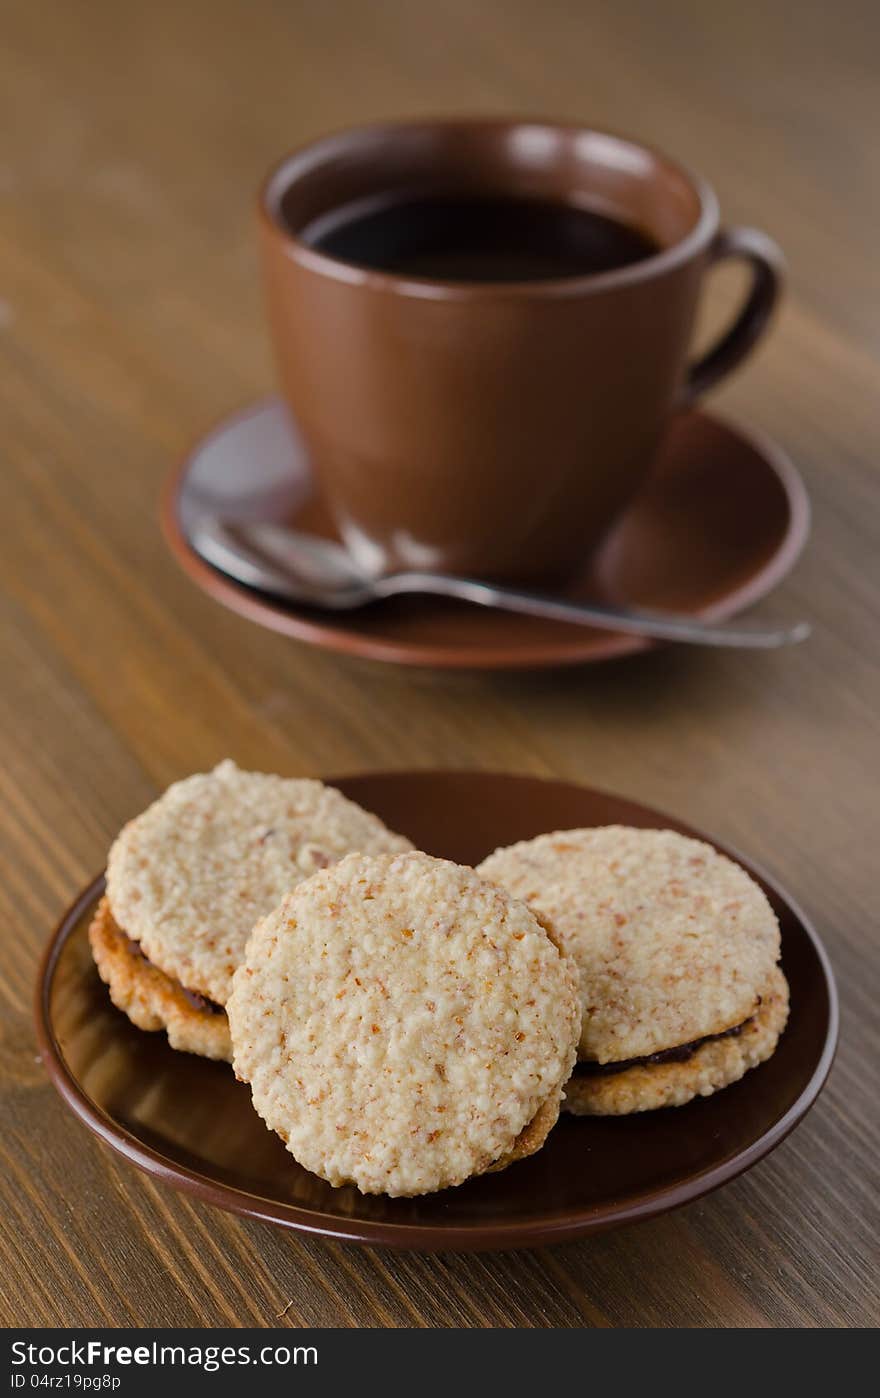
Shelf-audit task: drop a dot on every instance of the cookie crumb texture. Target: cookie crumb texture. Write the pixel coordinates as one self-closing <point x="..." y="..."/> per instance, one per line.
<point x="402" y="1022"/>
<point x="190" y="876"/>
<point x="673" y="941"/>
<point x="713" y="1066"/>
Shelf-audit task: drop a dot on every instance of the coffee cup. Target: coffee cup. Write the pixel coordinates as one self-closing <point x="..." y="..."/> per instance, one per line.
<point x="483" y="328"/>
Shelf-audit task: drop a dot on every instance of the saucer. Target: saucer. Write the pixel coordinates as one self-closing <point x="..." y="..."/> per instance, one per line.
<point x="187" y="1122"/>
<point x="720" y="521"/>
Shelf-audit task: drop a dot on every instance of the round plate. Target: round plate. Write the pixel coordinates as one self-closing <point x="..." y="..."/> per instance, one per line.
<point x="187" y="1120"/>
<point x="720" y="521"/>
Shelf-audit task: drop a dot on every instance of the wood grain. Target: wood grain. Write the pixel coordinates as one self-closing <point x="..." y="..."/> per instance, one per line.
<point x="131" y="138"/>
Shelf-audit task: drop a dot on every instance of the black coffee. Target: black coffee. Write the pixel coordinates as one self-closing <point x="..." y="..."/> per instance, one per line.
<point x="477" y="238"/>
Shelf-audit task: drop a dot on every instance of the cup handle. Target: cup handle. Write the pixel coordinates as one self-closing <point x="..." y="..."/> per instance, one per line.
<point x="767" y="267"/>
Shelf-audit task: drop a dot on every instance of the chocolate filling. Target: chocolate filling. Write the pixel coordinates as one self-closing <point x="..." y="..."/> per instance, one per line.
<point x="680" y="1054"/>
<point x="198" y="1002"/>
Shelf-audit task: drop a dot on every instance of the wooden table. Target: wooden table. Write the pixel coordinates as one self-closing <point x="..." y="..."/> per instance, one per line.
<point x="131" y="138"/>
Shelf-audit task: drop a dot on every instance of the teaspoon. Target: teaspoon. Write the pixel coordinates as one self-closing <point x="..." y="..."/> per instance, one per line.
<point x="310" y="571"/>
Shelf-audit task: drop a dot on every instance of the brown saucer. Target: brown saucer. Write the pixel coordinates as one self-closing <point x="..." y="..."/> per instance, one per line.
<point x="721" y="521"/>
<point x="187" y="1121"/>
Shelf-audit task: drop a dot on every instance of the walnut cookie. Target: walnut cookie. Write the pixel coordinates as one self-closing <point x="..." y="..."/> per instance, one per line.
<point x="404" y="1025"/>
<point x="188" y="878"/>
<point x="677" y="949"/>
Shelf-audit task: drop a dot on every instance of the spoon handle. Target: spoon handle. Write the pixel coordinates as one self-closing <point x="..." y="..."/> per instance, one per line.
<point x="661" y="626"/>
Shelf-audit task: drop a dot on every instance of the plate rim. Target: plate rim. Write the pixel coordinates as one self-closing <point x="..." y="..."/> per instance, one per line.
<point x="296" y="623"/>
<point x="430" y="1237"/>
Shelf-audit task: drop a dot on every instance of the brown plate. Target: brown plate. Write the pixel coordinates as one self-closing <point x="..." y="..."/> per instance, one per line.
<point x="720" y="522"/>
<point x="187" y="1121"/>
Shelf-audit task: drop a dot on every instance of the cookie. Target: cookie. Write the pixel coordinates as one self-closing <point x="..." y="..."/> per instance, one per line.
<point x="151" y="999"/>
<point x="189" y="877"/>
<point x="403" y="1024"/>
<point x="676" y="948"/>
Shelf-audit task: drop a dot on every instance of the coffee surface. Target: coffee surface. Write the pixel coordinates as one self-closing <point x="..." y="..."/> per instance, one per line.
<point x="477" y="238"/>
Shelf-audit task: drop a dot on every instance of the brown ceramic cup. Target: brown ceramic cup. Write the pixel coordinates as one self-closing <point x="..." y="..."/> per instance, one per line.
<point x="494" y="428"/>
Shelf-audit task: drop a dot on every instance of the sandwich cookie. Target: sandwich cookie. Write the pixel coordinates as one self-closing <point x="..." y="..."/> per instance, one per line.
<point x="187" y="880"/>
<point x="677" y="949"/>
<point x="404" y="1025"/>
